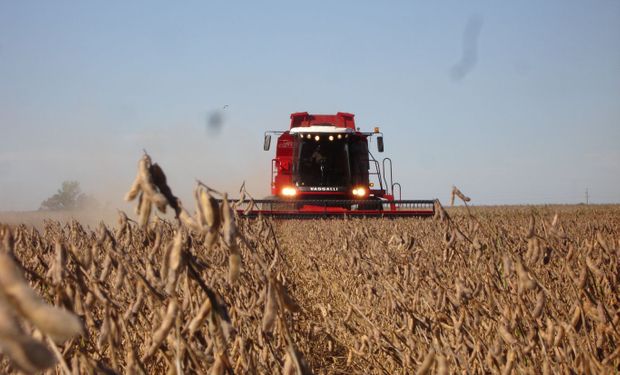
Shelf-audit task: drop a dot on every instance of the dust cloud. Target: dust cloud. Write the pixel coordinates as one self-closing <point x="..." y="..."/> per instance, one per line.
<point x="104" y="162"/>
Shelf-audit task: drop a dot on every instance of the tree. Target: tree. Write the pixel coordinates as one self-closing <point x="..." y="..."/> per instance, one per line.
<point x="68" y="197"/>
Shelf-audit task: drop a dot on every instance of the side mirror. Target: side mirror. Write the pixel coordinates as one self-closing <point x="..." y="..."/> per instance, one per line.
<point x="380" y="143"/>
<point x="267" y="142"/>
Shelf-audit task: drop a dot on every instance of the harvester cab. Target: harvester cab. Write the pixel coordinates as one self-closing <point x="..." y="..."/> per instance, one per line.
<point x="323" y="167"/>
<point x="322" y="157"/>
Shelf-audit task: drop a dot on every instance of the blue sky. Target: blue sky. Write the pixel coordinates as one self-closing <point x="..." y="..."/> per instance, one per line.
<point x="86" y="86"/>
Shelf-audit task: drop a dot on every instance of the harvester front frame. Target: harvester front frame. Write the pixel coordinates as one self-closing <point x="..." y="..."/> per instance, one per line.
<point x="310" y="209"/>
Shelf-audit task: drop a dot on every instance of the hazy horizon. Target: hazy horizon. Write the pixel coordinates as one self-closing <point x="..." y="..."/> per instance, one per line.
<point x="514" y="103"/>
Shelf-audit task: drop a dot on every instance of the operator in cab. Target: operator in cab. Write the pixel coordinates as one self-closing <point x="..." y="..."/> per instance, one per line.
<point x="319" y="159"/>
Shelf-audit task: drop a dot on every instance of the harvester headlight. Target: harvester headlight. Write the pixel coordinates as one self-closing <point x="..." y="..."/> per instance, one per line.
<point x="316" y="138"/>
<point x="331" y="137"/>
<point x="339" y="136"/>
<point x="308" y="136"/>
<point x="360" y="192"/>
<point x="289" y="191"/>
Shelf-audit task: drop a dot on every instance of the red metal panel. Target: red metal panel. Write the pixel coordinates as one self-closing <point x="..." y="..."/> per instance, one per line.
<point x="282" y="175"/>
<point x="340" y="120"/>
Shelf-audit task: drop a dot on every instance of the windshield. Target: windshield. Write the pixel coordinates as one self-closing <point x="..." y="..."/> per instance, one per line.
<point x="323" y="162"/>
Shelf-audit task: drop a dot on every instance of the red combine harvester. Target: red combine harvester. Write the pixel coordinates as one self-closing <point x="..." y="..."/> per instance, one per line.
<point x="323" y="168"/>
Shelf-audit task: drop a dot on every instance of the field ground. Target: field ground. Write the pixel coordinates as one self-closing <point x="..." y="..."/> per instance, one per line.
<point x="487" y="290"/>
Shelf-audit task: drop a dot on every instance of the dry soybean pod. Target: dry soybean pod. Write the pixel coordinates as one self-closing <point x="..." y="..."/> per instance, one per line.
<point x="427" y="363"/>
<point x="164" y="328"/>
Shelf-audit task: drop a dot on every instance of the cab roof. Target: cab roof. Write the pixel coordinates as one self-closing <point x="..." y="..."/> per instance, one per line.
<point x="340" y="120"/>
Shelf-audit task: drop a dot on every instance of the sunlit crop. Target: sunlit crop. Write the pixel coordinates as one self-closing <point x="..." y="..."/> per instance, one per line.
<point x="474" y="290"/>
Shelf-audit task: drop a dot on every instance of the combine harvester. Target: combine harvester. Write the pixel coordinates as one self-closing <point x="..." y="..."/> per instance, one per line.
<point x="323" y="168"/>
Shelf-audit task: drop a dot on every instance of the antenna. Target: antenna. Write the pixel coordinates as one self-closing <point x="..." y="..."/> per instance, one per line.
<point x="587" y="196"/>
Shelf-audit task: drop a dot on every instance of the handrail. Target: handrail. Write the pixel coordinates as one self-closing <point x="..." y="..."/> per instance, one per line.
<point x="391" y="184"/>
<point x="378" y="172"/>
<point x="400" y="190"/>
<point x="377" y="168"/>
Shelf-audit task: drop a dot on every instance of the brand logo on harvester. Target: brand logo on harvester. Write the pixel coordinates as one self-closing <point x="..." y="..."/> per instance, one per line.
<point x="323" y="188"/>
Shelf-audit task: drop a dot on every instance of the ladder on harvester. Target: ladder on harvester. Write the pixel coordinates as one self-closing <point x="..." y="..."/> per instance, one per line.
<point x="380" y="171"/>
